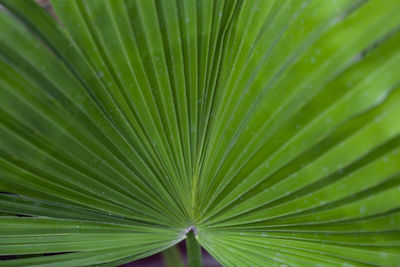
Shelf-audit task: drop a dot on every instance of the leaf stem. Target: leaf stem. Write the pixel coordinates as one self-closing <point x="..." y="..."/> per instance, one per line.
<point x="193" y="250"/>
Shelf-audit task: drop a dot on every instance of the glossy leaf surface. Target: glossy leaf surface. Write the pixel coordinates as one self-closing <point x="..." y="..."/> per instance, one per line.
<point x="271" y="128"/>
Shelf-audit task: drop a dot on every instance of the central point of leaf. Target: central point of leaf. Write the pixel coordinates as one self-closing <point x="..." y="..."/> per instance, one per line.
<point x="191" y="228"/>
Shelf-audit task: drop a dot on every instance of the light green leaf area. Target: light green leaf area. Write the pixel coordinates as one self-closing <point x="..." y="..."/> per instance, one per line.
<point x="271" y="128"/>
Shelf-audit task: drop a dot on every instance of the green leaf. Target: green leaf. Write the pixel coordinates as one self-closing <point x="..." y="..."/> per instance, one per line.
<point x="265" y="131"/>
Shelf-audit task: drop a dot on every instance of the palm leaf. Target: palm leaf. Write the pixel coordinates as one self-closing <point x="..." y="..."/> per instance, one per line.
<point x="266" y="131"/>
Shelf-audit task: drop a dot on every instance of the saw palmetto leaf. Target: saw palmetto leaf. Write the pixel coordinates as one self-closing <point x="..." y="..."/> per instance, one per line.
<point x="266" y="131"/>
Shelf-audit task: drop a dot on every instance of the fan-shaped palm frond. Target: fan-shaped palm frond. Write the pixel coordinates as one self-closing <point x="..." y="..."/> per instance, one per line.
<point x="268" y="129"/>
